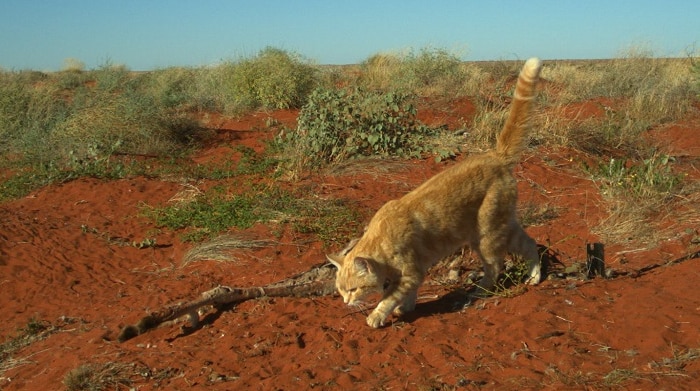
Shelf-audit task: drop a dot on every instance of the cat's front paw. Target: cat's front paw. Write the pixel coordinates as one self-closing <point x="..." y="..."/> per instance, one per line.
<point x="375" y="320"/>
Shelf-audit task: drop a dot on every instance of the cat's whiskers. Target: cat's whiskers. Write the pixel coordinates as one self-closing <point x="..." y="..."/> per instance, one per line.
<point x="359" y="306"/>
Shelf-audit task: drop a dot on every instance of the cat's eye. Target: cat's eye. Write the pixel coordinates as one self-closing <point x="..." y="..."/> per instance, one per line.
<point x="352" y="290"/>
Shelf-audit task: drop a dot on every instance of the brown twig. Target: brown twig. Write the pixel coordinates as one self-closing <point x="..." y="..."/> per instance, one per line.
<point x="319" y="281"/>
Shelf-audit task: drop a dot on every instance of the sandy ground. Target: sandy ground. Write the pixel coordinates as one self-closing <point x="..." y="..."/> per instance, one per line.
<point x="64" y="263"/>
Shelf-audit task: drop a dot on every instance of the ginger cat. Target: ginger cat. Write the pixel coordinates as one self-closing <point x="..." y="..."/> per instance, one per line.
<point x="471" y="203"/>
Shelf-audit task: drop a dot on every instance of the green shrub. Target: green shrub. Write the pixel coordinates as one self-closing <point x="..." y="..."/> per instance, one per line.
<point x="335" y="125"/>
<point x="174" y="87"/>
<point x="111" y="78"/>
<point x="428" y="72"/>
<point x="274" y="79"/>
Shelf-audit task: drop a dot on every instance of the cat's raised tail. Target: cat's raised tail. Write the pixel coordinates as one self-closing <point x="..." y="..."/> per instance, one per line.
<point x="511" y="142"/>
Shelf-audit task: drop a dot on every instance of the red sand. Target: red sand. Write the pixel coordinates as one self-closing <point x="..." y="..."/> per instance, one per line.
<point x="60" y="261"/>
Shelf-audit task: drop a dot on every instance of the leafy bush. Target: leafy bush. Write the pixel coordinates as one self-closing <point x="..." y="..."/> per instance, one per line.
<point x="336" y="125"/>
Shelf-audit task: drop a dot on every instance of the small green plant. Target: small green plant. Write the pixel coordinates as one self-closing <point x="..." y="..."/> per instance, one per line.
<point x="636" y="191"/>
<point x="252" y="162"/>
<point x="652" y="177"/>
<point x="215" y="212"/>
<point x="208" y="215"/>
<point x="336" y="125"/>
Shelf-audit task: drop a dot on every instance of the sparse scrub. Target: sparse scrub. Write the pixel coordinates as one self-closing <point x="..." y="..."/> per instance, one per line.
<point x="647" y="92"/>
<point x="650" y="178"/>
<point x="636" y="192"/>
<point x="50" y="132"/>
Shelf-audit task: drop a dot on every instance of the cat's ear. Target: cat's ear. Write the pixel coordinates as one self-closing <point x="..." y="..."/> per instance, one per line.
<point x="363" y="265"/>
<point x="336" y="260"/>
<point x="350" y="246"/>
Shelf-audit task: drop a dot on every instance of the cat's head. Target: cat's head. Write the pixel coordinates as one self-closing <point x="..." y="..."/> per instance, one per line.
<point x="357" y="278"/>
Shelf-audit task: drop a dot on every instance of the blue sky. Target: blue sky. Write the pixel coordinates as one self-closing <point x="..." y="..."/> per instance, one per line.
<point x="148" y="34"/>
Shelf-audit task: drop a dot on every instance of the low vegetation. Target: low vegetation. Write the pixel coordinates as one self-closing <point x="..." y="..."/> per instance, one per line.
<point x="35" y="330"/>
<point x="106" y="376"/>
<point x="112" y="123"/>
<point x="427" y="72"/>
<point x="105" y="122"/>
<point x="336" y="125"/>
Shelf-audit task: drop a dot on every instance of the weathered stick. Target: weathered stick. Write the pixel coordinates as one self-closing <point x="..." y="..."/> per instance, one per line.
<point x="319" y="281"/>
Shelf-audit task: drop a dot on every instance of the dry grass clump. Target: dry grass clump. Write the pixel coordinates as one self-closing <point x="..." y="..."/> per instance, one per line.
<point x="476" y="80"/>
<point x="98" y="377"/>
<point x="223" y="248"/>
<point x="638" y="195"/>
<point x="34" y="331"/>
<point x="379" y="70"/>
<point x="120" y="123"/>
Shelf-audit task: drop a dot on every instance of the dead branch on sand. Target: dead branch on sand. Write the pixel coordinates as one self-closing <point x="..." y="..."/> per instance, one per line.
<point x="319" y="281"/>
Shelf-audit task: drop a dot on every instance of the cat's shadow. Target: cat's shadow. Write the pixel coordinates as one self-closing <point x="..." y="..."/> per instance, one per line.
<point x="462" y="298"/>
<point x="454" y="301"/>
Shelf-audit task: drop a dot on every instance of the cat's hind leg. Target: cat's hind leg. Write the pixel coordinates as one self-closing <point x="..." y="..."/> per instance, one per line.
<point x="492" y="251"/>
<point x="524" y="245"/>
